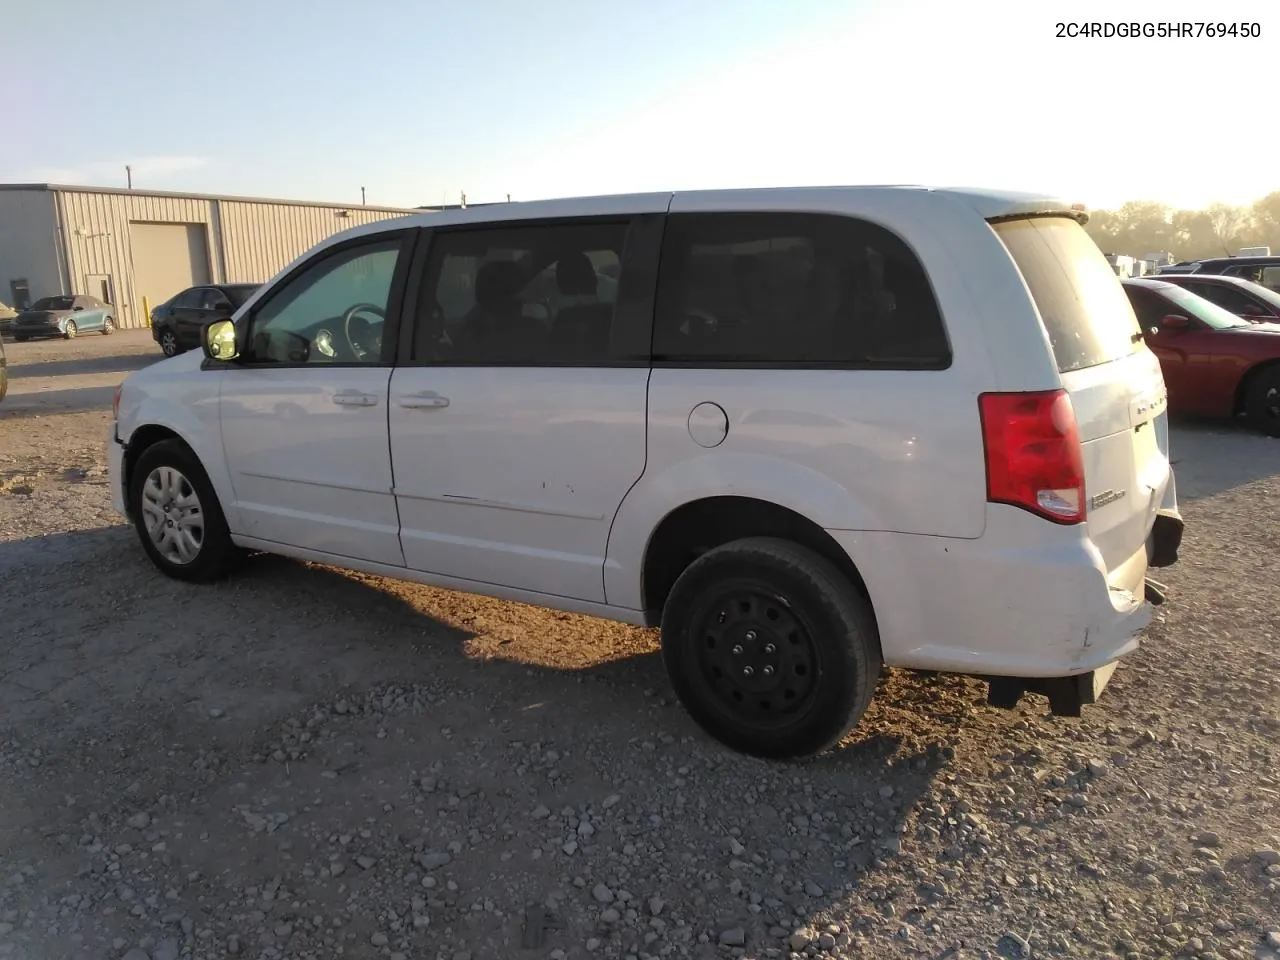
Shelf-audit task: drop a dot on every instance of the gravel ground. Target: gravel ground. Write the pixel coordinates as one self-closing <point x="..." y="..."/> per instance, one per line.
<point x="306" y="763"/>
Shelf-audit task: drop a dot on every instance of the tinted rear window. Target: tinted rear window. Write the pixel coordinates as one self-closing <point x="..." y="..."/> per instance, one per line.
<point x="1085" y="311"/>
<point x="239" y="294"/>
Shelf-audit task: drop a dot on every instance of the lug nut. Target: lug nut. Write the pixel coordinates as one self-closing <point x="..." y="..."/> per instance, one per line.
<point x="768" y="671"/>
<point x="737" y="651"/>
<point x="751" y="635"/>
<point x="747" y="671"/>
<point x="769" y="648"/>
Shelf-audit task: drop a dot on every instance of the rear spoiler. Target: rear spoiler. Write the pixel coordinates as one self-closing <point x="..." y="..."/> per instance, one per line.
<point x="1075" y="211"/>
<point x="995" y="207"/>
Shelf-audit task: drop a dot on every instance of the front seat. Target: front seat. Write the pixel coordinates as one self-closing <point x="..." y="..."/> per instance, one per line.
<point x="495" y="328"/>
<point x="581" y="329"/>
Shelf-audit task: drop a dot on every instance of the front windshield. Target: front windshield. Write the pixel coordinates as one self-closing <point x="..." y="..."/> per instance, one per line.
<point x="1200" y="308"/>
<point x="52" y="303"/>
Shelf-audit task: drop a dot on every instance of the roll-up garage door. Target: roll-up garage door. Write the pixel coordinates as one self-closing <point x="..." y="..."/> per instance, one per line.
<point x="167" y="258"/>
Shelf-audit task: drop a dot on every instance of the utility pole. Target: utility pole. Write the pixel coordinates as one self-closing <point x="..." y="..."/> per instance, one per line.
<point x="464" y="199"/>
<point x="128" y="172"/>
<point x="362" y="196"/>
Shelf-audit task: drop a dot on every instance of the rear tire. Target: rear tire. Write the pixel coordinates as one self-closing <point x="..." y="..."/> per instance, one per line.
<point x="1263" y="403"/>
<point x="169" y="343"/>
<point x="108" y="327"/>
<point x="72" y="330"/>
<point x="770" y="648"/>
<point x="177" y="515"/>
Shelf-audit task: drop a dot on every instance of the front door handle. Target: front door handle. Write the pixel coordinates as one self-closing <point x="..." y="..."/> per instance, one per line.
<point x="354" y="398"/>
<point x="423" y="401"/>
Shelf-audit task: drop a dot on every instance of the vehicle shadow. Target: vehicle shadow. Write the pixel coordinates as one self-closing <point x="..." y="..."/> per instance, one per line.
<point x="82" y="366"/>
<point x="1210" y="457"/>
<point x="46" y="402"/>
<point x="282" y="647"/>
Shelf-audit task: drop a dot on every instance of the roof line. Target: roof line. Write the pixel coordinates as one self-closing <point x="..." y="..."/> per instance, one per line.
<point x="72" y="188"/>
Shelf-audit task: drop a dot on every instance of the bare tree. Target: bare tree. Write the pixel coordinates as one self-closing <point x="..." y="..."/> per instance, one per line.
<point x="1227" y="223"/>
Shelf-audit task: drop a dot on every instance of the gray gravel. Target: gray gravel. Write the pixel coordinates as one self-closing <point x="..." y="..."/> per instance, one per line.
<point x="300" y="761"/>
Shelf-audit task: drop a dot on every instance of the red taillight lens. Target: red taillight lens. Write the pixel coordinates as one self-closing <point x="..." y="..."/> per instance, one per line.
<point x="115" y="403"/>
<point x="1034" y="458"/>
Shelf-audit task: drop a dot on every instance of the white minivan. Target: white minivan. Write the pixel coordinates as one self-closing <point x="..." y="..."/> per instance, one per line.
<point x="808" y="432"/>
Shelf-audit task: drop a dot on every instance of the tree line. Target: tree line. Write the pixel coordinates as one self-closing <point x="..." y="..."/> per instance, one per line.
<point x="1219" y="230"/>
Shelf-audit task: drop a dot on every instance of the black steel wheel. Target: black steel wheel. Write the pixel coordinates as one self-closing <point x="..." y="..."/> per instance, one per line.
<point x="770" y="648"/>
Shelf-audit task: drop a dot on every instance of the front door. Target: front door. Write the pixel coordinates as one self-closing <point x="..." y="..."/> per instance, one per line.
<point x="304" y="412"/>
<point x="518" y="423"/>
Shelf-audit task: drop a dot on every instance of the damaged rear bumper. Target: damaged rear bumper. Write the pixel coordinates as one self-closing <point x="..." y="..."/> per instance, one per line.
<point x="1068" y="695"/>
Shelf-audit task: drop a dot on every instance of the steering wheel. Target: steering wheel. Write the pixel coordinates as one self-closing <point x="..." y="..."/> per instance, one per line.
<point x="349" y="314"/>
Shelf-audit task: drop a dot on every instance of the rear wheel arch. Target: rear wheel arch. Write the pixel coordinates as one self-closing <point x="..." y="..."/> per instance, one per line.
<point x="699" y="526"/>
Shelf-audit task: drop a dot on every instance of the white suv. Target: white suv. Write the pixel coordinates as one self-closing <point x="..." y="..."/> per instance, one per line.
<point x="809" y="432"/>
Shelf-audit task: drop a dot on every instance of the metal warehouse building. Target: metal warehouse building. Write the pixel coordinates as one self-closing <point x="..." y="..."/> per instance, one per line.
<point x="124" y="245"/>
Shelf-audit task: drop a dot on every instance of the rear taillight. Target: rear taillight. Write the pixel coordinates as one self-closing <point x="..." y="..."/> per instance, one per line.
<point x="1034" y="457"/>
<point x="115" y="403"/>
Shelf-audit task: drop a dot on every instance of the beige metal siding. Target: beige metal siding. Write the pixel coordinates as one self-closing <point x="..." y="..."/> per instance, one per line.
<point x="247" y="241"/>
<point x="97" y="227"/>
<point x="261" y="239"/>
<point x="29" y="243"/>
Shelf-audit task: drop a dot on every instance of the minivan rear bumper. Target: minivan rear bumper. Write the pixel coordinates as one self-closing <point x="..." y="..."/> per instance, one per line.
<point x="1027" y="606"/>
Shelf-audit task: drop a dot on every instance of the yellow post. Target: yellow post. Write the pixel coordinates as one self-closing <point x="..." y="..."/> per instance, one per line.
<point x="146" y="312"/>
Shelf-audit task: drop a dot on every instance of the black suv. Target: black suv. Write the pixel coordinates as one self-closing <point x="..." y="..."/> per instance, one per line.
<point x="176" y="323"/>
<point x="1263" y="270"/>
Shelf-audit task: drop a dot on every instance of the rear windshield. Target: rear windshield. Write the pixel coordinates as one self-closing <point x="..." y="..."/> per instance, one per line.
<point x="240" y="293"/>
<point x="1085" y="311"/>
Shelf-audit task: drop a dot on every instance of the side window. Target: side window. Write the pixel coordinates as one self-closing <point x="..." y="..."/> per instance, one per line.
<point x="212" y="298"/>
<point x="1270" y="277"/>
<point x="794" y="290"/>
<point x="188" y="299"/>
<point x="1149" y="307"/>
<point x="522" y="295"/>
<point x="332" y="312"/>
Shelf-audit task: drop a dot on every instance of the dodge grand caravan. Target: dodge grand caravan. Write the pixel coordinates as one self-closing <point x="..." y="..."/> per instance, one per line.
<point x="807" y="432"/>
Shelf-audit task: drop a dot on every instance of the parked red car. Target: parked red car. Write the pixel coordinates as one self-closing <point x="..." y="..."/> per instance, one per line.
<point x="1215" y="363"/>
<point x="1244" y="298"/>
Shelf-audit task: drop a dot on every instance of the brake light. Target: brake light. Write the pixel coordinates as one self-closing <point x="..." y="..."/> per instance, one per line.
<point x="115" y="403"/>
<point x="1033" y="452"/>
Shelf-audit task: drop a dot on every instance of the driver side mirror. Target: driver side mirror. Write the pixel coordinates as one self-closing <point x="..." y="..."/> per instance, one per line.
<point x="1175" y="321"/>
<point x="219" y="341"/>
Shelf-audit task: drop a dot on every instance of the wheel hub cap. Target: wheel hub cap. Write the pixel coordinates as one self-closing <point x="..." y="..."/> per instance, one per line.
<point x="173" y="515"/>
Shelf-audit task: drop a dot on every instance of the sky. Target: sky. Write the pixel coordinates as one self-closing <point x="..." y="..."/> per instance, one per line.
<point x="419" y="100"/>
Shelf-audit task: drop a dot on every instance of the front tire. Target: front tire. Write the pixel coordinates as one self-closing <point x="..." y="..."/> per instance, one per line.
<point x="169" y="343"/>
<point x="770" y="648"/>
<point x="1263" y="403"/>
<point x="71" y="330"/>
<point x="177" y="514"/>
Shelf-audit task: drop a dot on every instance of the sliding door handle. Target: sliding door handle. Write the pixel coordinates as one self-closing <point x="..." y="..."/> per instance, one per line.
<point x="354" y="398"/>
<point x="424" y="401"/>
